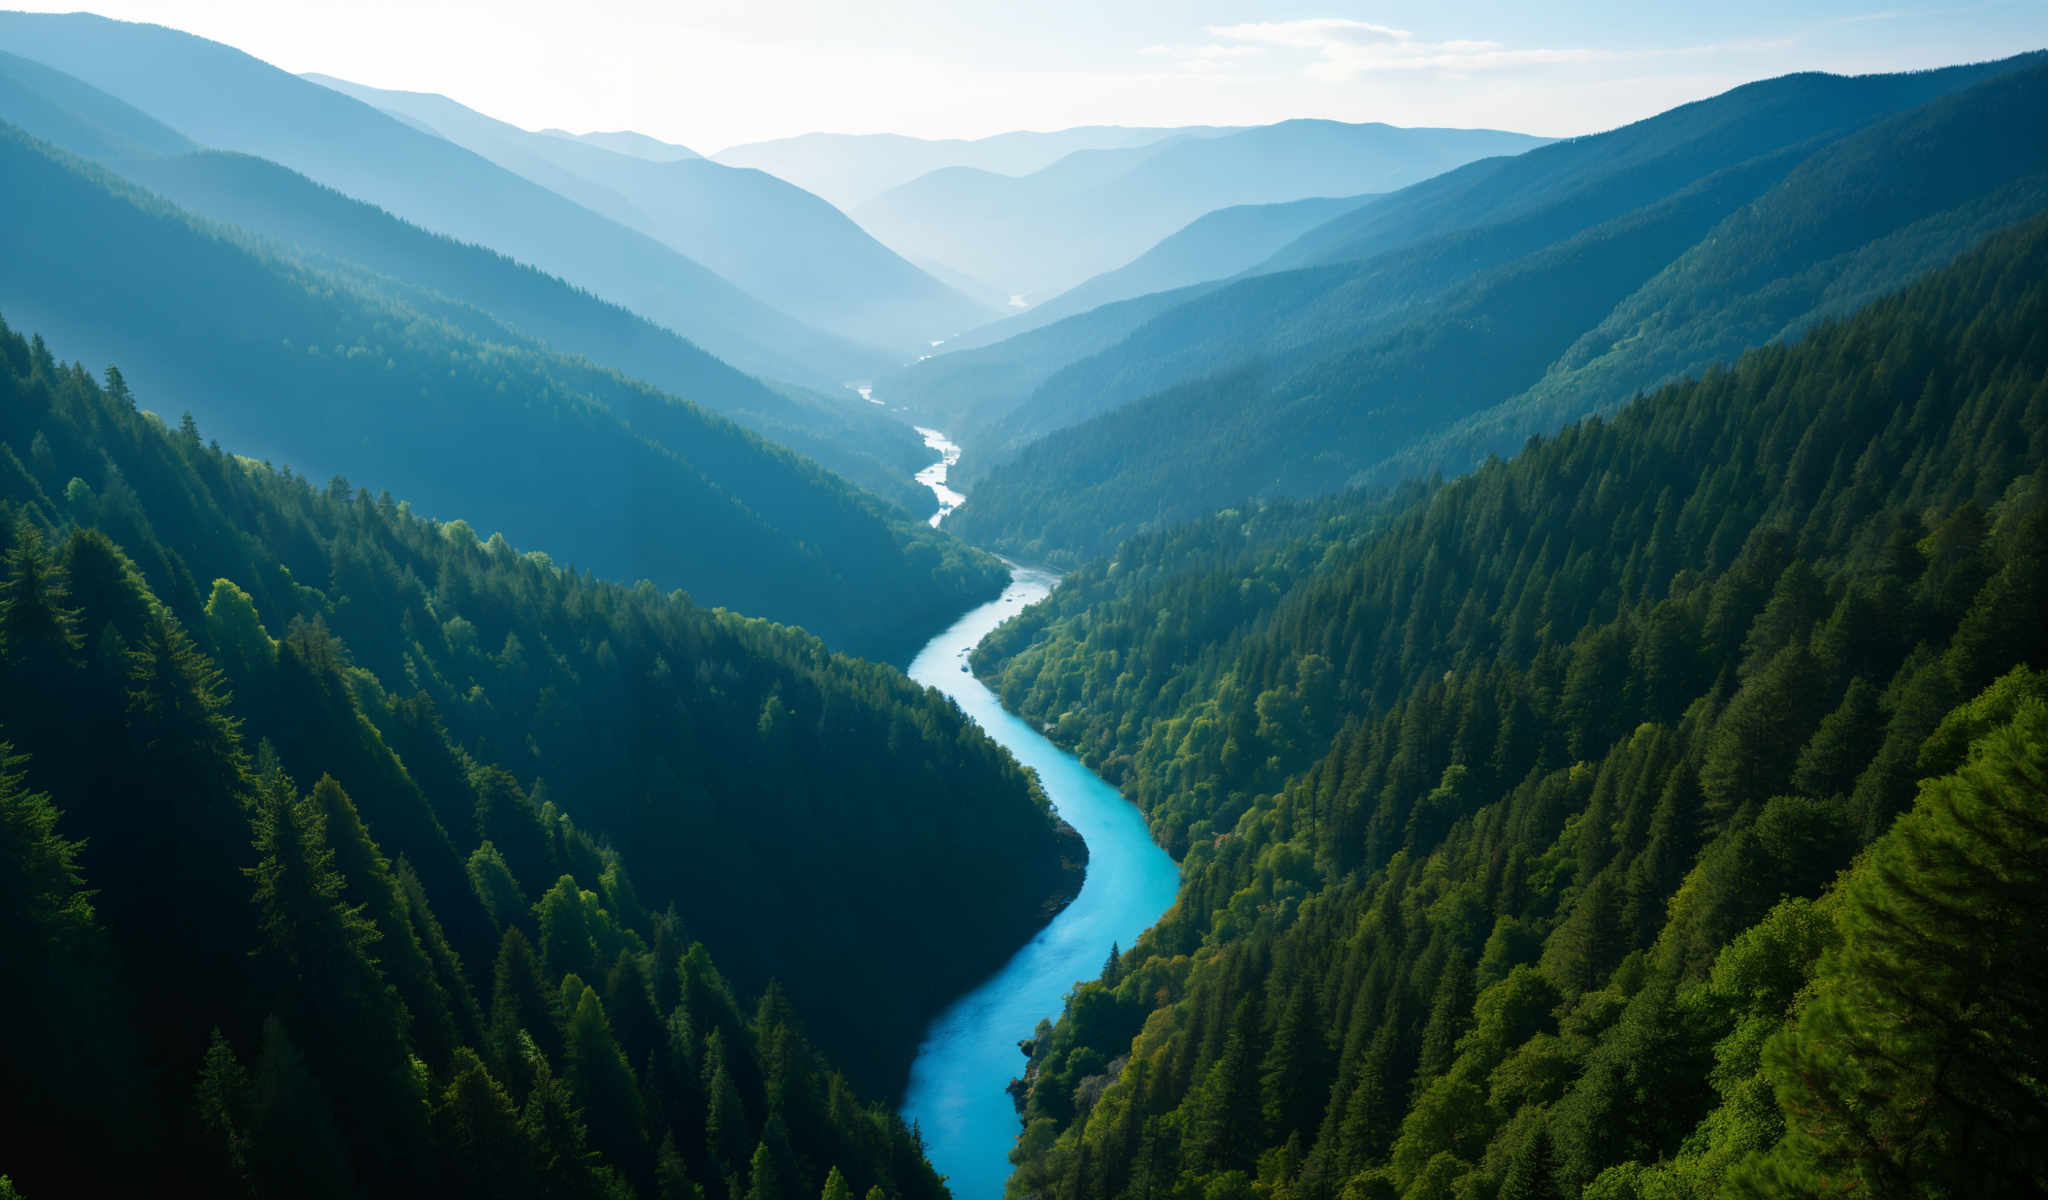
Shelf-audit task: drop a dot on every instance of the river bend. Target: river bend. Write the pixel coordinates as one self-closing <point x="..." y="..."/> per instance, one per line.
<point x="957" y="1085"/>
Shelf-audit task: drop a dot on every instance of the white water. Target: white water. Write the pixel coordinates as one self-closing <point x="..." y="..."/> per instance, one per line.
<point x="934" y="476"/>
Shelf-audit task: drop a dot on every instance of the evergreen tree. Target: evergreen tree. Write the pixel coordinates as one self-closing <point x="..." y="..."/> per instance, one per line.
<point x="1912" y="1067"/>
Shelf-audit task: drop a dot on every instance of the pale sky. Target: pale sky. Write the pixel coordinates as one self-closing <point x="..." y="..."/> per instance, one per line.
<point x="712" y="73"/>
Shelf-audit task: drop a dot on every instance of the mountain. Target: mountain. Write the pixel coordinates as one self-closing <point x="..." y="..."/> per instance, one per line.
<point x="1094" y="210"/>
<point x="294" y="365"/>
<point x="773" y="239"/>
<point x="348" y="854"/>
<point x="1306" y="380"/>
<point x="625" y="141"/>
<point x="968" y="392"/>
<point x="326" y="229"/>
<point x="436" y="274"/>
<point x="1653" y="813"/>
<point x="1213" y="246"/>
<point x="225" y="100"/>
<point x="71" y="113"/>
<point x="850" y="169"/>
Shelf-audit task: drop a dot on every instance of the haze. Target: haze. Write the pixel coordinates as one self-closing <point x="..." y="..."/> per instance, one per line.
<point x="710" y="75"/>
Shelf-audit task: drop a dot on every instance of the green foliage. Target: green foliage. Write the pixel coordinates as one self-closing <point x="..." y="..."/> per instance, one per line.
<point x="270" y="988"/>
<point x="1537" y="786"/>
<point x="1913" y="1065"/>
<point x="451" y="687"/>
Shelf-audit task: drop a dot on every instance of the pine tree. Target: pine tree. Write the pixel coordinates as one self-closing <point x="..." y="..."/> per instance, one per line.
<point x="603" y="1085"/>
<point x="835" y="1186"/>
<point x="293" y="1148"/>
<point x="1913" y="1067"/>
<point x="764" y="1178"/>
<point x="221" y="1105"/>
<point x="483" y="1150"/>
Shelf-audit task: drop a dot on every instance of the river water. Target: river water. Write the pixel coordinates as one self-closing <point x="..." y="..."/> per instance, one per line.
<point x="934" y="476"/>
<point x="970" y="1054"/>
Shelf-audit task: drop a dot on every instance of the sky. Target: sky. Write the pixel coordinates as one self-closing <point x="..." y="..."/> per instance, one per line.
<point x="713" y="73"/>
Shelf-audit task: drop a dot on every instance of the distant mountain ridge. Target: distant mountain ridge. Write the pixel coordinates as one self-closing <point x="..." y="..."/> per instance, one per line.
<point x="1095" y="210"/>
<point x="313" y="369"/>
<point x="780" y="243"/>
<point x="440" y="276"/>
<point x="225" y="99"/>
<point x="851" y="168"/>
<point x="626" y="141"/>
<point x="1803" y="195"/>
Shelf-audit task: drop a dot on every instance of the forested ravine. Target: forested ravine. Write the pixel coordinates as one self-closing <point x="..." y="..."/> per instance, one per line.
<point x="957" y="1092"/>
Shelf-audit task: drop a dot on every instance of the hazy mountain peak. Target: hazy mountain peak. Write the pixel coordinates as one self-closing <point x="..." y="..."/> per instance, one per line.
<point x="779" y="242"/>
<point x="626" y="141"/>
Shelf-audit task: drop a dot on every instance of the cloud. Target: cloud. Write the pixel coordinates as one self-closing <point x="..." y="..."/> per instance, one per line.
<point x="1312" y="33"/>
<point x="1342" y="48"/>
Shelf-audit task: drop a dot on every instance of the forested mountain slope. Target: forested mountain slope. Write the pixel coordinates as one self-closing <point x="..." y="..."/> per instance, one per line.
<point x="1352" y="274"/>
<point x="1300" y="382"/>
<point x="328" y="229"/>
<point x="293" y="365"/>
<point x="772" y="238"/>
<point x="1511" y="812"/>
<point x="226" y="100"/>
<point x="812" y="818"/>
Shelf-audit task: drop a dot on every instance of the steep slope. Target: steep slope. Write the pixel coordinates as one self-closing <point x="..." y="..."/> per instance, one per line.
<point x="71" y="113"/>
<point x="794" y="806"/>
<point x="1828" y="239"/>
<point x="850" y="169"/>
<point x="1509" y="808"/>
<point x="294" y="365"/>
<point x="1214" y="246"/>
<point x="427" y="271"/>
<point x="1297" y="382"/>
<point x="1096" y="210"/>
<point x="226" y="100"/>
<point x="772" y="238"/>
<point x="311" y="891"/>
<point x="328" y="229"/>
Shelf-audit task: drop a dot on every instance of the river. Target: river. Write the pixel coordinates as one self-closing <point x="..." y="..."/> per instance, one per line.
<point x="970" y="1054"/>
<point x="934" y="476"/>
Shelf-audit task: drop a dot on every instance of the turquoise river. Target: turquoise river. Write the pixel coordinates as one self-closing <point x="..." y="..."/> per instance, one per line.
<point x="956" y="1093"/>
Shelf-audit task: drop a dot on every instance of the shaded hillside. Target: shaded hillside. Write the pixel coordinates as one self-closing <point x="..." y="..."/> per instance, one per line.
<point x="307" y="814"/>
<point x="333" y="230"/>
<point x="297" y="367"/>
<point x="772" y="238"/>
<point x="226" y="100"/>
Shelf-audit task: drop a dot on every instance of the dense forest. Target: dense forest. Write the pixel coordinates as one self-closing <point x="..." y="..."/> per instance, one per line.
<point x="517" y="768"/>
<point x="1506" y="299"/>
<point x="1654" y="814"/>
<point x="465" y="419"/>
